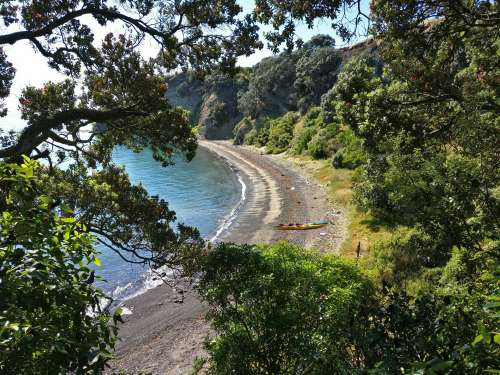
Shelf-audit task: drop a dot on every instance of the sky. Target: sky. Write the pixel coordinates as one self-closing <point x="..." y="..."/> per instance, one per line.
<point x="32" y="68"/>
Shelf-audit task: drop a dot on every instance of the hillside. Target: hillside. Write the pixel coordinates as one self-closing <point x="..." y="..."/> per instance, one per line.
<point x="286" y="82"/>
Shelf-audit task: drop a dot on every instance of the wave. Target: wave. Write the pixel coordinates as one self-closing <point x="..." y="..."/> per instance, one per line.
<point x="229" y="219"/>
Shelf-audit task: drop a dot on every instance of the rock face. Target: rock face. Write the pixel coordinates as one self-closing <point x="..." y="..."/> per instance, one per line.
<point x="213" y="103"/>
<point x="274" y="86"/>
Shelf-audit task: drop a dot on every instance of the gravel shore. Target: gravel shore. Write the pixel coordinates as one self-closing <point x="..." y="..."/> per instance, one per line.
<point x="163" y="336"/>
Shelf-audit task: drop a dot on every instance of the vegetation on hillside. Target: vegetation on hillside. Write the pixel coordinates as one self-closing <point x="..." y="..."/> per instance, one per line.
<point x="419" y="138"/>
<point x="291" y="81"/>
<point x="50" y="321"/>
<point x="421" y="134"/>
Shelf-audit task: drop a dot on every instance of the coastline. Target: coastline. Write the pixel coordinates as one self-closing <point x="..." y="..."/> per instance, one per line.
<point x="163" y="336"/>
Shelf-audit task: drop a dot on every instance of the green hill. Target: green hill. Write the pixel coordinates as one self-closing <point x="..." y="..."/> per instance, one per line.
<point x="290" y="81"/>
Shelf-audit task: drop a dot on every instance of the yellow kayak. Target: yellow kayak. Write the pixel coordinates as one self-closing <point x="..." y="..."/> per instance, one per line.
<point x="305" y="226"/>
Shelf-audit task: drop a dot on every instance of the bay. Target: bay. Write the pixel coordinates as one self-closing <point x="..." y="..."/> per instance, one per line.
<point x="202" y="192"/>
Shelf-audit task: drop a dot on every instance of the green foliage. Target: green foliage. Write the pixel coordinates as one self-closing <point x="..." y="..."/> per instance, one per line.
<point x="305" y="130"/>
<point x="489" y="328"/>
<point x="51" y="321"/>
<point x="262" y="126"/>
<point x="432" y="334"/>
<point x="350" y="92"/>
<point x="283" y="16"/>
<point x="405" y="254"/>
<point x="322" y="144"/>
<point x="439" y="192"/>
<point x="423" y="137"/>
<point x="316" y="72"/>
<point x="270" y="87"/>
<point x="426" y="126"/>
<point x="311" y="136"/>
<point x="282" y="310"/>
<point x="7" y="73"/>
<point x="351" y="154"/>
<point x="291" y="80"/>
<point x="281" y="132"/>
<point x="251" y="137"/>
<point x="449" y="305"/>
<point x="302" y="135"/>
<point x="198" y="364"/>
<point x="242" y="130"/>
<point x="115" y="113"/>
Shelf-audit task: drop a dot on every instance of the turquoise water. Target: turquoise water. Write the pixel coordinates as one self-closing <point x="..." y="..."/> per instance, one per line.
<point x="203" y="194"/>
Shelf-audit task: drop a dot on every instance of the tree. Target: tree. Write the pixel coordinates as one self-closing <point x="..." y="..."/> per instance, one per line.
<point x="316" y="72"/>
<point x="270" y="88"/>
<point x="51" y="320"/>
<point x="347" y="17"/>
<point x="292" y="79"/>
<point x="429" y="126"/>
<point x="83" y="126"/>
<point x="283" y="310"/>
<point x="345" y="100"/>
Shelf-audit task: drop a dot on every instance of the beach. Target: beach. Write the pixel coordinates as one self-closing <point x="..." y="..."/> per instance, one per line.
<point x="164" y="335"/>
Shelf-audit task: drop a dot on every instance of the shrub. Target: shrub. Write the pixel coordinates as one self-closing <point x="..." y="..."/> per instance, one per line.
<point x="302" y="135"/>
<point x="241" y="130"/>
<point x="262" y="126"/>
<point x="281" y="132"/>
<point x="323" y="144"/>
<point x="50" y="318"/>
<point x="351" y="154"/>
<point x="250" y="138"/>
<point x="405" y="254"/>
<point x="281" y="308"/>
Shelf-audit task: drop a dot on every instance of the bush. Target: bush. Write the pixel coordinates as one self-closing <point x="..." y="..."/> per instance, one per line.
<point x="405" y="254"/>
<point x="323" y="144"/>
<point x="430" y="307"/>
<point x="281" y="308"/>
<point x="431" y="333"/>
<point x="302" y="135"/>
<point x="351" y="155"/>
<point x="281" y="132"/>
<point x="262" y="126"/>
<point x="50" y="318"/>
<point x="250" y="138"/>
<point x="241" y="130"/>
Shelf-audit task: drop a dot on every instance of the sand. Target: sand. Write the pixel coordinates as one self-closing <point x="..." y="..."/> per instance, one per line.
<point x="163" y="336"/>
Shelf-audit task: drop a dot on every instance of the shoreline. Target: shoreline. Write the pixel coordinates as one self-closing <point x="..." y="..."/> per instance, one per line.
<point x="225" y="225"/>
<point x="163" y="336"/>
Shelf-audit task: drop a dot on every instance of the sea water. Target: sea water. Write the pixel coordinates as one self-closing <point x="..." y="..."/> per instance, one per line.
<point x="205" y="193"/>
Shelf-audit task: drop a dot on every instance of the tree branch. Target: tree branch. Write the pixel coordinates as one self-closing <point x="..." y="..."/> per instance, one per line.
<point x="20" y="35"/>
<point x="37" y="133"/>
<point x="107" y="13"/>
